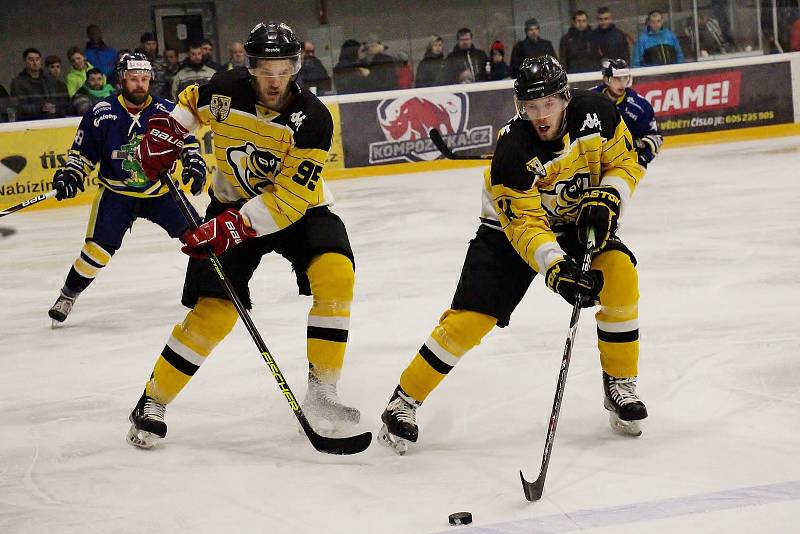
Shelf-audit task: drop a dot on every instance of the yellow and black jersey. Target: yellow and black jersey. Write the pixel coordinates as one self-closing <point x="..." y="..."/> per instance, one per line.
<point x="532" y="189"/>
<point x="273" y="160"/>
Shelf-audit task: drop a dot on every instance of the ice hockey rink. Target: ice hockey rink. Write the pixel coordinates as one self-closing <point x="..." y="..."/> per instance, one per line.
<point x="715" y="231"/>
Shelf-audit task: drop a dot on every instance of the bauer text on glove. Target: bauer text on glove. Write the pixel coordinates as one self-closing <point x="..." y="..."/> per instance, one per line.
<point x="161" y="145"/>
<point x="219" y="234"/>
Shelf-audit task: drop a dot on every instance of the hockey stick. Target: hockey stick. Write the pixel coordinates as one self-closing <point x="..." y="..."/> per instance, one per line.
<point x="533" y="491"/>
<point x="29" y="202"/>
<point x="347" y="445"/>
<point x="447" y="152"/>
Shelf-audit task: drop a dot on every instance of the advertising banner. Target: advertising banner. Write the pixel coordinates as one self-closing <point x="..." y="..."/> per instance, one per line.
<point x="719" y="99"/>
<point x="395" y="130"/>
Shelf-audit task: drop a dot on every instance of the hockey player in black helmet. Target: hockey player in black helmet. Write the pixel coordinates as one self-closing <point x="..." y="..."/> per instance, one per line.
<point x="268" y="193"/>
<point x="565" y="163"/>
<point x="273" y="59"/>
<point x="541" y="95"/>
<point x="636" y="111"/>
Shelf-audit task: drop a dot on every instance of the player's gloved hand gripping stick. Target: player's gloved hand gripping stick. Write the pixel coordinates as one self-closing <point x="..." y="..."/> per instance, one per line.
<point x="534" y="490"/>
<point x="346" y="445"/>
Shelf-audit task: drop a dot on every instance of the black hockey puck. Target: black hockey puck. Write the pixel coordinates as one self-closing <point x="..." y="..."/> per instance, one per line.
<point x="460" y="518"/>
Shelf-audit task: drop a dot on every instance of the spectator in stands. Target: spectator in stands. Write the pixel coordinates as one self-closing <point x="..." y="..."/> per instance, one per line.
<point x="37" y="94"/>
<point x="93" y="91"/>
<point x="193" y="70"/>
<point x="5" y="103"/>
<point x="656" y="45"/>
<point x="53" y="65"/>
<point x="465" y="62"/>
<point x="531" y="46"/>
<point x="432" y="62"/>
<point x="208" y="55"/>
<point x="158" y="82"/>
<point x="381" y="66"/>
<point x="577" y="51"/>
<point x="101" y="56"/>
<point x="610" y="41"/>
<point x="712" y="39"/>
<point x="236" y="56"/>
<point x="499" y="69"/>
<point x="76" y="77"/>
<point x="172" y="65"/>
<point x="312" y="72"/>
<point x="348" y="73"/>
<point x="403" y="72"/>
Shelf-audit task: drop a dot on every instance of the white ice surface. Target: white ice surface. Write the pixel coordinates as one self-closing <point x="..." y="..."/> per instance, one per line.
<point x="714" y="229"/>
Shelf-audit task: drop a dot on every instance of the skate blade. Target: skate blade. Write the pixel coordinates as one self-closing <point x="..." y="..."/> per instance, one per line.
<point x="141" y="438"/>
<point x="626" y="428"/>
<point x="398" y="445"/>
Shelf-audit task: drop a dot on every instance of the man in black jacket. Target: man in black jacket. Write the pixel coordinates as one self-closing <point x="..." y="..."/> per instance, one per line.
<point x="465" y="62"/>
<point x="531" y="46"/>
<point x="577" y="52"/>
<point x="37" y="94"/>
<point x="610" y="41"/>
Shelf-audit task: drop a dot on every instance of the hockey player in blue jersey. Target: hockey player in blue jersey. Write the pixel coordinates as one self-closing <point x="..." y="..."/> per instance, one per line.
<point x="637" y="112"/>
<point x="112" y="127"/>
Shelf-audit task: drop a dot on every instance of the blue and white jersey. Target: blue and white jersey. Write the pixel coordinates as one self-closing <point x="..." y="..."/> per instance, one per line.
<point x="101" y="136"/>
<point x="640" y="118"/>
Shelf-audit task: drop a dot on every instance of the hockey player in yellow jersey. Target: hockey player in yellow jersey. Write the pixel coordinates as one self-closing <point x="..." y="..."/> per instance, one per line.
<point x="564" y="164"/>
<point x="271" y="141"/>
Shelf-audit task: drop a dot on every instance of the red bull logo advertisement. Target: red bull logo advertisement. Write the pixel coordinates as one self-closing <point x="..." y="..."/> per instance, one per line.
<point x="405" y="123"/>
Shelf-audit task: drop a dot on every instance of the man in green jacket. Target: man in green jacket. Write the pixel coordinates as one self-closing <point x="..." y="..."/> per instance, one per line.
<point x="77" y="76"/>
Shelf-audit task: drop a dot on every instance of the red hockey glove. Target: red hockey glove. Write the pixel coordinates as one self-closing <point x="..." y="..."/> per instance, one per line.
<point x="160" y="145"/>
<point x="220" y="233"/>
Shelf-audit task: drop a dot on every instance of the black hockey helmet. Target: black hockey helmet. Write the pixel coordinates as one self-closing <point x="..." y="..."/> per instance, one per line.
<point x="272" y="40"/>
<point x="133" y="61"/>
<point x="617" y="68"/>
<point x="540" y="77"/>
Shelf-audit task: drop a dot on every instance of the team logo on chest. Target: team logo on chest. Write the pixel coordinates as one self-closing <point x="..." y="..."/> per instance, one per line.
<point x="253" y="168"/>
<point x="560" y="201"/>
<point x="220" y="107"/>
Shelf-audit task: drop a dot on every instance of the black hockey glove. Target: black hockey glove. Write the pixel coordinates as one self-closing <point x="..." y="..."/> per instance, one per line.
<point x="194" y="169"/>
<point x="598" y="208"/>
<point x="67" y="182"/>
<point x="566" y="279"/>
<point x="647" y="147"/>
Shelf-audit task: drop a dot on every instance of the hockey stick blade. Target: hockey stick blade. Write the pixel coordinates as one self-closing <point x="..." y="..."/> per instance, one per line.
<point x="447" y="152"/>
<point x="342" y="446"/>
<point x="533" y="490"/>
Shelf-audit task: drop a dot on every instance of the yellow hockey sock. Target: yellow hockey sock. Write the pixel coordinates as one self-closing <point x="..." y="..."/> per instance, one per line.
<point x="189" y="345"/>
<point x="457" y="332"/>
<point x="331" y="277"/>
<point x="618" y="317"/>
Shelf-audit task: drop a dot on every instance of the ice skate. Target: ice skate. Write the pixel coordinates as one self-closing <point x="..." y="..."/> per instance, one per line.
<point x="323" y="408"/>
<point x="399" y="422"/>
<point x="61" y="308"/>
<point x="148" y="424"/>
<point x="625" y="407"/>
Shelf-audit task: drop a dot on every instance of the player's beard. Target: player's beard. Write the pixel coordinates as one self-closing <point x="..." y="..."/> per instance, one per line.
<point x="136" y="98"/>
